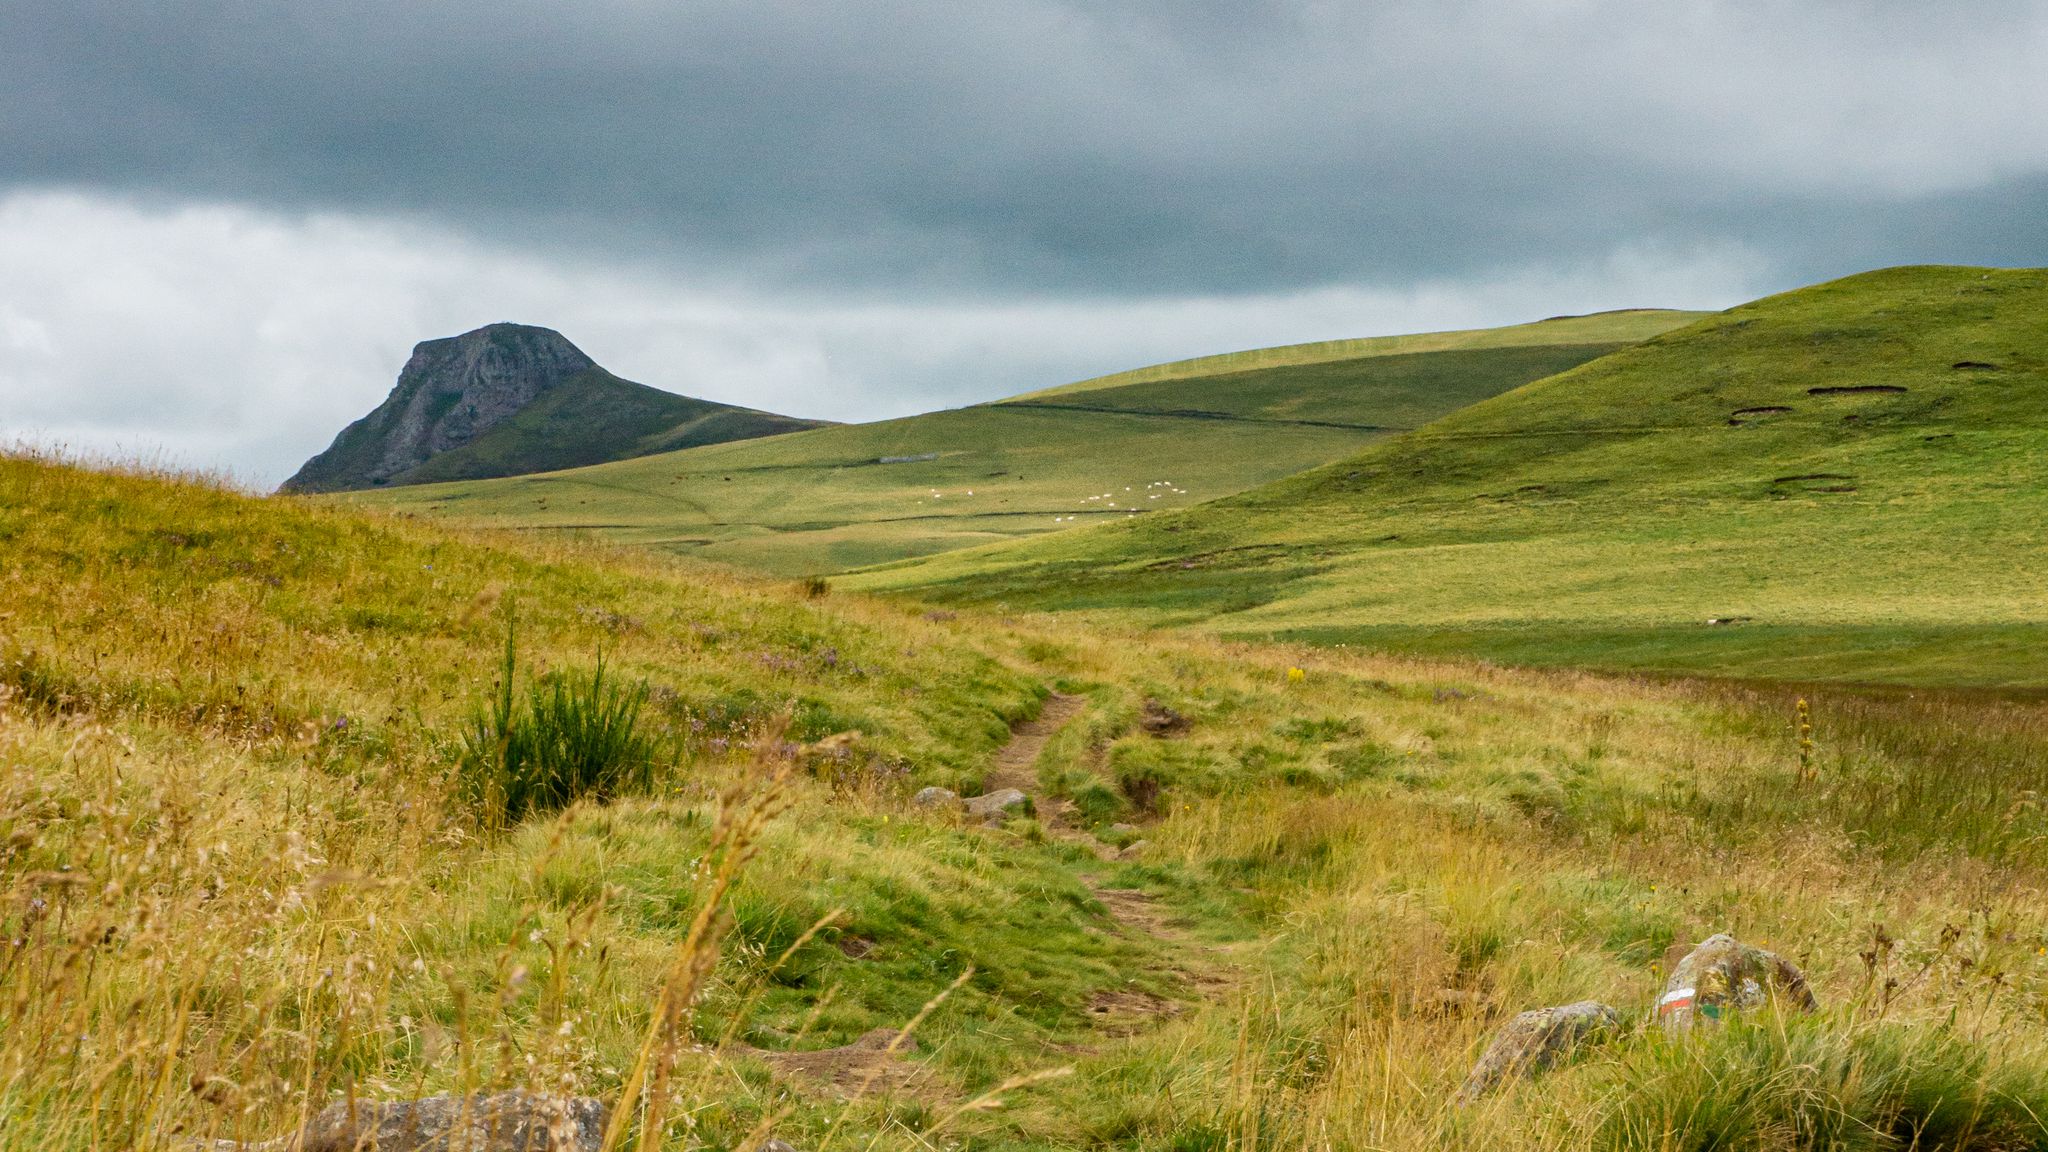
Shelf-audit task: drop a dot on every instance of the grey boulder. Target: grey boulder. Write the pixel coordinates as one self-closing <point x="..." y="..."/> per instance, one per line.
<point x="1536" y="1040"/>
<point x="935" y="797"/>
<point x="505" y="1122"/>
<point x="998" y="806"/>
<point x="1724" y="975"/>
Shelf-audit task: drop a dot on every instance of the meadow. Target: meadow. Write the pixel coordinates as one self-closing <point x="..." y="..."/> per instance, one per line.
<point x="1838" y="483"/>
<point x="241" y="876"/>
<point x="832" y="499"/>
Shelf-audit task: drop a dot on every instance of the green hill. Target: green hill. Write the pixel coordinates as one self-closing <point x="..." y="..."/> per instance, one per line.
<point x="1620" y="326"/>
<point x="843" y="497"/>
<point x="594" y="417"/>
<point x="1850" y="480"/>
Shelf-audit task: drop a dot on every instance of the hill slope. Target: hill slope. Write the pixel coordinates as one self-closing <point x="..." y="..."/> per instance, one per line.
<point x="843" y="497"/>
<point x="240" y="878"/>
<point x="1853" y="473"/>
<point x="508" y="399"/>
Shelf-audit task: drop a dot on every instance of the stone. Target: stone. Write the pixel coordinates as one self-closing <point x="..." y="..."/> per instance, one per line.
<point x="1121" y="829"/>
<point x="1133" y="850"/>
<point x="776" y="1144"/>
<point x="456" y="391"/>
<point x="997" y="806"/>
<point x="1724" y="975"/>
<point x="1537" y="1040"/>
<point x="505" y="1122"/>
<point x="936" y="797"/>
<point x="1160" y="720"/>
<point x="451" y="392"/>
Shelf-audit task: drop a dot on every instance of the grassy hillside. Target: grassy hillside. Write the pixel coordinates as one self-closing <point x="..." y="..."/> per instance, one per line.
<point x="594" y="417"/>
<point x="845" y="497"/>
<point x="240" y="877"/>
<point x="1622" y="326"/>
<point x="1850" y="478"/>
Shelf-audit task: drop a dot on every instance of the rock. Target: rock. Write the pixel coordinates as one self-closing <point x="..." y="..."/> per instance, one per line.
<point x="506" y="1122"/>
<point x="1122" y="829"/>
<point x="455" y="392"/>
<point x="1160" y="720"/>
<point x="936" y="797"/>
<point x="1133" y="850"/>
<point x="1725" y="975"/>
<point x="1536" y="1040"/>
<point x="774" y="1144"/>
<point x="995" y="807"/>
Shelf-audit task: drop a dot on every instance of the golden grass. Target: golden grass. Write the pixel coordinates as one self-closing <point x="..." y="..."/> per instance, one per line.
<point x="222" y="908"/>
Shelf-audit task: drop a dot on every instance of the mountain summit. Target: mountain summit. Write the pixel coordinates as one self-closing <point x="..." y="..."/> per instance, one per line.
<point x="509" y="399"/>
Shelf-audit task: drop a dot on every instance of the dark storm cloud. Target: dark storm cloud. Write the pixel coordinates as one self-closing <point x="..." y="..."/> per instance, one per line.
<point x="1038" y="146"/>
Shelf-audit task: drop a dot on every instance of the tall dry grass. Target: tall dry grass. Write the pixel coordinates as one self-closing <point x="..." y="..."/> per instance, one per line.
<point x="237" y="878"/>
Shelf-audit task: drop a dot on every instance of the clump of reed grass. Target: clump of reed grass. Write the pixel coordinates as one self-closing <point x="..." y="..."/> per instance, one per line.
<point x="572" y="737"/>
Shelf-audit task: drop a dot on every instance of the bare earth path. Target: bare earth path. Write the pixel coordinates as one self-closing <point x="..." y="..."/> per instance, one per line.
<point x="1015" y="765"/>
<point x="1189" y="961"/>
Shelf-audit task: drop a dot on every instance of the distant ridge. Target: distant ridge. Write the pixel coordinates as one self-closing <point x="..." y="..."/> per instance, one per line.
<point x="850" y="496"/>
<point x="512" y="399"/>
<point x="1845" y="481"/>
<point x="1619" y="325"/>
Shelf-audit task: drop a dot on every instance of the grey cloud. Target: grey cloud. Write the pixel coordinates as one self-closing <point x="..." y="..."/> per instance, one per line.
<point x="1042" y="147"/>
<point x="232" y="338"/>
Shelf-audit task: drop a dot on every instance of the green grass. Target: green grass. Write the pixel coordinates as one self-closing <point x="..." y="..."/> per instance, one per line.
<point x="578" y="737"/>
<point x="1851" y="473"/>
<point x="825" y="501"/>
<point x="1624" y="326"/>
<point x="240" y="875"/>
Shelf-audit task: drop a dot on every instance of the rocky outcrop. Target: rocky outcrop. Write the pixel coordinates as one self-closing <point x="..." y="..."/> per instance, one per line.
<point x="505" y="1122"/>
<point x="450" y="392"/>
<point x="936" y="797"/>
<point x="993" y="808"/>
<point x="1536" y="1040"/>
<point x="509" y="400"/>
<point x="1724" y="975"/>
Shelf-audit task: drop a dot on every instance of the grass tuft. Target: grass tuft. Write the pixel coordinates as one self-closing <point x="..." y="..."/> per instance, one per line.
<point x="577" y="737"/>
<point x="1815" y="1083"/>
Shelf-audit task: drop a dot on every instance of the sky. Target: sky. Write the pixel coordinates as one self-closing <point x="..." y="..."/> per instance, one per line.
<point x="223" y="225"/>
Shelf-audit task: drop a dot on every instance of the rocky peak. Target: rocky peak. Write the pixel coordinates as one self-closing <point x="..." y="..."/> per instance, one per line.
<point x="450" y="392"/>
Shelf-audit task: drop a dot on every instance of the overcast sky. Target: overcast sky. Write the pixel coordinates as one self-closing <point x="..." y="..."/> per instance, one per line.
<point x="223" y="225"/>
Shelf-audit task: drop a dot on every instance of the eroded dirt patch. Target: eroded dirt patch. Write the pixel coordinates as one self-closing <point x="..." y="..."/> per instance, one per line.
<point x="1129" y="1011"/>
<point x="1016" y="765"/>
<point x="863" y="1068"/>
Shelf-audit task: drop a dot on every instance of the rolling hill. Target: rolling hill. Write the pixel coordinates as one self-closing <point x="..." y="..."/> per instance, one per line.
<point x="1114" y="448"/>
<point x="1849" y="480"/>
<point x="508" y="399"/>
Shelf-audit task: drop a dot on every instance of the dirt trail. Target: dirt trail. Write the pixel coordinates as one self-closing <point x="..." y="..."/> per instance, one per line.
<point x="1015" y="765"/>
<point x="1199" y="966"/>
<point x="863" y="1068"/>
